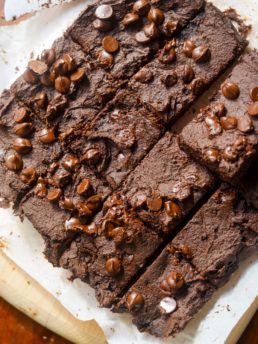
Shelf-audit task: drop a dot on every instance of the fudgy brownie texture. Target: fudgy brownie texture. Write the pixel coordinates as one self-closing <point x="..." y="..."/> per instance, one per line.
<point x="223" y="136"/>
<point x="134" y="47"/>
<point x="129" y="233"/>
<point x="118" y="138"/>
<point x="248" y="185"/>
<point x="188" y="63"/>
<point x="198" y="260"/>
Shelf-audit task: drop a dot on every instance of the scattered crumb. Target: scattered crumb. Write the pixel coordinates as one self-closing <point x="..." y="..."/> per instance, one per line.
<point x="28" y="282"/>
<point x="3" y="243"/>
<point x="11" y="233"/>
<point x="112" y="329"/>
<point x="228" y="308"/>
<point x="32" y="55"/>
<point x="58" y="293"/>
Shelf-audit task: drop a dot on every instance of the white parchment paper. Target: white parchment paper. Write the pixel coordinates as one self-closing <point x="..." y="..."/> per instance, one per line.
<point x="24" y="245"/>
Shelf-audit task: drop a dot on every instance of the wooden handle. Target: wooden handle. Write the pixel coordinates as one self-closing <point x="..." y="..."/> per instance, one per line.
<point x="24" y="293"/>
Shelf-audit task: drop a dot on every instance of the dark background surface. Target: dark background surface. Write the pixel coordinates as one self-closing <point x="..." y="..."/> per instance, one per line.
<point x="16" y="328"/>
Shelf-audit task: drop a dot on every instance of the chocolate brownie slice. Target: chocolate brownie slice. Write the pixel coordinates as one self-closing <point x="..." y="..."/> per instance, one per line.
<point x="211" y="245"/>
<point x="249" y="185"/>
<point x="126" y="237"/>
<point x="223" y="136"/>
<point x="118" y="35"/>
<point x="187" y="64"/>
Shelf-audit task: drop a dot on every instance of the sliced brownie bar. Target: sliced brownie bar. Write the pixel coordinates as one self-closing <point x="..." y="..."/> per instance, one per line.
<point x="126" y="237"/>
<point x="187" y="64"/>
<point x="249" y="185"/>
<point x="212" y="244"/>
<point x="118" y="35"/>
<point x="223" y="136"/>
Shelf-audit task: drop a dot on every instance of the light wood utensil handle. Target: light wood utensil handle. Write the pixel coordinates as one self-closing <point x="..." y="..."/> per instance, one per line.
<point x="24" y="293"/>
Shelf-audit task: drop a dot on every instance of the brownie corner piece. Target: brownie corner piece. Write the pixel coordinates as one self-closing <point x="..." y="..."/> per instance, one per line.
<point x="223" y="136"/>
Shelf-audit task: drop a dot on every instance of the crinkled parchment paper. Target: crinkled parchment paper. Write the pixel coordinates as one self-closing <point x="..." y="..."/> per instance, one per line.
<point x="228" y="307"/>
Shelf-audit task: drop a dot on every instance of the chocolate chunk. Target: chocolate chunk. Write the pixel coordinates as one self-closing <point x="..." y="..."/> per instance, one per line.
<point x="151" y="30"/>
<point x="154" y="204"/>
<point x="40" y="189"/>
<point x="104" y="12"/>
<point x="141" y="7"/>
<point x="254" y="94"/>
<point x="110" y="44"/>
<point x="102" y="25"/>
<point x="13" y="162"/>
<point x="78" y="75"/>
<point x="41" y="100"/>
<point x="54" y="195"/>
<point x="144" y="75"/>
<point x="253" y="109"/>
<point x="62" y="84"/>
<point x="230" y="90"/>
<point x="201" y="54"/>
<point x="22" y="115"/>
<point x="187" y="74"/>
<point x="84" y="188"/>
<point x="228" y="123"/>
<point x="172" y="282"/>
<point x="156" y="15"/>
<point x="22" y="146"/>
<point x="47" y="135"/>
<point x="28" y="175"/>
<point x="38" y="67"/>
<point x="48" y="56"/>
<point x="135" y="302"/>
<point x="130" y="19"/>
<point x="172" y="209"/>
<point x="113" y="266"/>
<point x="23" y="129"/>
<point x="188" y="48"/>
<point x="105" y="59"/>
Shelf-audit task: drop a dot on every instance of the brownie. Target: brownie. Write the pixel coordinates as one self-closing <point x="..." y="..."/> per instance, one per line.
<point x="118" y="138"/>
<point x="187" y="64"/>
<point x="126" y="237"/>
<point x="130" y="53"/>
<point x="248" y="185"/>
<point x="199" y="259"/>
<point x="223" y="135"/>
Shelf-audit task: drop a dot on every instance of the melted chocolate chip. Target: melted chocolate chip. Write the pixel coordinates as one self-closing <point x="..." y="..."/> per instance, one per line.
<point x="105" y="59"/>
<point x="135" y="301"/>
<point x="244" y="124"/>
<point x="28" y="175"/>
<point x="60" y="67"/>
<point x="219" y="110"/>
<point x="213" y="124"/>
<point x="41" y="100"/>
<point x="130" y="19"/>
<point x="102" y="25"/>
<point x="22" y="146"/>
<point x="83" y="209"/>
<point x="73" y="224"/>
<point x="254" y="94"/>
<point x="140" y="37"/>
<point x="156" y="15"/>
<point x="253" y="109"/>
<point x="154" y="204"/>
<point x="70" y="162"/>
<point x="240" y="144"/>
<point x="61" y="178"/>
<point x="228" y="123"/>
<point x="54" y="195"/>
<point x="110" y="44"/>
<point x="40" y="189"/>
<point x="141" y="7"/>
<point x="13" y="162"/>
<point x="201" y="54"/>
<point x="186" y="251"/>
<point x="62" y="84"/>
<point x="113" y="266"/>
<point x="172" y="209"/>
<point x="230" y="90"/>
<point x="48" y="56"/>
<point x="169" y="28"/>
<point x="230" y="154"/>
<point x="168" y="53"/>
<point x="47" y="136"/>
<point x="188" y="48"/>
<point x="46" y="80"/>
<point x="84" y="188"/>
<point x="104" y="12"/>
<point x="23" y="129"/>
<point x="212" y="155"/>
<point x="92" y="156"/>
<point x="22" y="115"/>
<point x="78" y="75"/>
<point x="94" y="202"/>
<point x="173" y="281"/>
<point x="67" y="204"/>
<point x="151" y="30"/>
<point x="188" y="74"/>
<point x="170" y="79"/>
<point x="70" y="61"/>
<point x="197" y="86"/>
<point x="30" y="77"/>
<point x="38" y="67"/>
<point x="144" y="76"/>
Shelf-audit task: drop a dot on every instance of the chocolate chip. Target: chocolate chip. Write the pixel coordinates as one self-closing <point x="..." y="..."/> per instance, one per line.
<point x="23" y="129"/>
<point x="188" y="74"/>
<point x="13" y="162"/>
<point x="219" y="110"/>
<point x="94" y="202"/>
<point x="167" y="54"/>
<point x="118" y="234"/>
<point x="84" y="188"/>
<point x="73" y="224"/>
<point x="156" y="15"/>
<point x="135" y="301"/>
<point x="170" y="79"/>
<point x="253" y="109"/>
<point x="47" y="135"/>
<point x="61" y="178"/>
<point x="54" y="195"/>
<point x="141" y="7"/>
<point x="67" y="204"/>
<point x="40" y="189"/>
<point x="142" y="38"/>
<point x="107" y="226"/>
<point x="110" y="44"/>
<point x="22" y="115"/>
<point x="70" y="61"/>
<point x="56" y="105"/>
<point x="228" y="123"/>
<point x="62" y="84"/>
<point x="30" y="77"/>
<point x="230" y="154"/>
<point x="28" y="175"/>
<point x="254" y="94"/>
<point x="173" y="281"/>
<point x="186" y="251"/>
<point x="172" y="209"/>
<point x="244" y="124"/>
<point x="38" y="67"/>
<point x="170" y="27"/>
<point x="197" y="86"/>
<point x="188" y="48"/>
<point x="90" y="229"/>
<point x="41" y="100"/>
<point x="105" y="59"/>
<point x="83" y="209"/>
<point x="151" y="30"/>
<point x="144" y="75"/>
<point x="92" y="156"/>
<point x="102" y="25"/>
<point x="212" y="155"/>
<point x="78" y="75"/>
<point x="60" y="67"/>
<point x="46" y="80"/>
<point x="240" y="144"/>
<point x="48" y="56"/>
<point x="154" y="204"/>
<point x="130" y="19"/>
<point x="113" y="266"/>
<point x="230" y="90"/>
<point x="22" y="146"/>
<point x="201" y="54"/>
<point x="70" y="162"/>
<point x="104" y="12"/>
